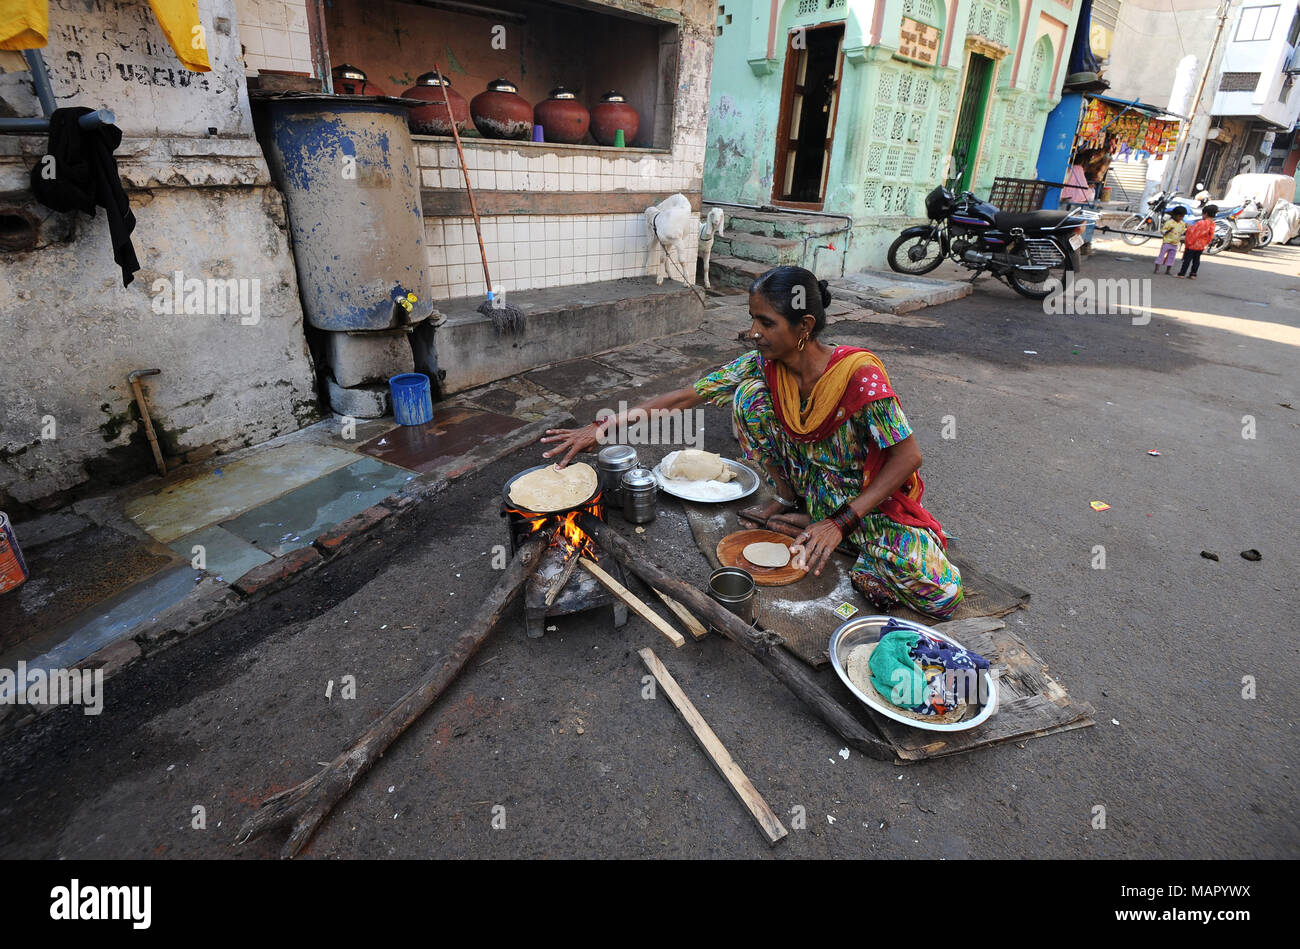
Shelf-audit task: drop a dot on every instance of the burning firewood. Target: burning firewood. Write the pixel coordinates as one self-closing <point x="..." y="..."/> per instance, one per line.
<point x="571" y="555"/>
<point x="310" y="802"/>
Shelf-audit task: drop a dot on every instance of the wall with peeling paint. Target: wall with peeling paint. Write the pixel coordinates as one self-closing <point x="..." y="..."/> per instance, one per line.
<point x="896" y="118"/>
<point x="201" y="194"/>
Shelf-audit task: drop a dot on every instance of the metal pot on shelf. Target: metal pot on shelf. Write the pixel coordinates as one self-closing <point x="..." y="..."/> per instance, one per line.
<point x="562" y="117"/>
<point x="352" y="81"/>
<point x="501" y="112"/>
<point x="432" y="119"/>
<point x="612" y="114"/>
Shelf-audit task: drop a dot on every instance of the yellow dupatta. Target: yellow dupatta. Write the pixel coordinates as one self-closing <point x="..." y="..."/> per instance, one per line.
<point x="827" y="394"/>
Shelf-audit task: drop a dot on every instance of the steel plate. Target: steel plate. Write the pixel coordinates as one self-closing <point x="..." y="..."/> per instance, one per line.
<point x="745" y="475"/>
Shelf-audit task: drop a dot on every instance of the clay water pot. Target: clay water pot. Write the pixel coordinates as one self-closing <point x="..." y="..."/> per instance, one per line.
<point x="432" y="119"/>
<point x="613" y="113"/>
<point x="563" y="118"/>
<point x="500" y="112"/>
<point x="351" y="81"/>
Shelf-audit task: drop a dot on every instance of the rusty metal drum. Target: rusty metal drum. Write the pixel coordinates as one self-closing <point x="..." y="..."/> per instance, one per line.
<point x="348" y="171"/>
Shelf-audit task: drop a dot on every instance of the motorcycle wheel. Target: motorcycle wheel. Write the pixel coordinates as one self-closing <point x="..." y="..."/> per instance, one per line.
<point x="924" y="254"/>
<point x="1040" y="289"/>
<point x="1221" y="242"/>
<point x="1137" y="222"/>
<point x="1265" y="236"/>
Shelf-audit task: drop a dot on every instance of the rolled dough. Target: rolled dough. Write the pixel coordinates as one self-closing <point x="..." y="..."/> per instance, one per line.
<point x="767" y="554"/>
<point x="691" y="464"/>
<point x="554" y="489"/>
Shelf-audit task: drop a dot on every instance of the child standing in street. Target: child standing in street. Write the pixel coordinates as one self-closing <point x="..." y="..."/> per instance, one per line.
<point x="1195" y="241"/>
<point x="1171" y="235"/>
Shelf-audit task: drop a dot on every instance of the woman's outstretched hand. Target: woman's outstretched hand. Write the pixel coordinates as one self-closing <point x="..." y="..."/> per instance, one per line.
<point x="816" y="545"/>
<point x="571" y="441"/>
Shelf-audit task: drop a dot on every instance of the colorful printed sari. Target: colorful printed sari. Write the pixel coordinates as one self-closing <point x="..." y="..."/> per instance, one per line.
<point x="901" y="546"/>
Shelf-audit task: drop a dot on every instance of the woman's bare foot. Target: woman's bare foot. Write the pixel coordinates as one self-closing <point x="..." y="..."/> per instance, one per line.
<point x="793" y="518"/>
<point x="761" y="512"/>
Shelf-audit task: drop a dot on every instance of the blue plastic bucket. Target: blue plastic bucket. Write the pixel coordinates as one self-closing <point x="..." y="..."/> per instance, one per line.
<point x="412" y="398"/>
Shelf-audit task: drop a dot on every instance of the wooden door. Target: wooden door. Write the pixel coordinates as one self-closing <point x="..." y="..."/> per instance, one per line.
<point x="810" y="96"/>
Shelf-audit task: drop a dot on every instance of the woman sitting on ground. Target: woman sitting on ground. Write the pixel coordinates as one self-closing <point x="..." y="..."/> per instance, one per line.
<point x="828" y="430"/>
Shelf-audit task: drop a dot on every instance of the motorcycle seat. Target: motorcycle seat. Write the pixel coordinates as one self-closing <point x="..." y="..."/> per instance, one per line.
<point x="1005" y="220"/>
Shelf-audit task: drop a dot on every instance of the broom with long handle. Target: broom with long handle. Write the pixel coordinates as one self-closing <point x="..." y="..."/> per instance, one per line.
<point x="506" y="317"/>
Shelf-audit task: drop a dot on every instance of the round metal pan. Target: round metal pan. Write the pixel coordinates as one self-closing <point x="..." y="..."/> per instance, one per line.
<point x="505" y="494"/>
<point x="865" y="629"/>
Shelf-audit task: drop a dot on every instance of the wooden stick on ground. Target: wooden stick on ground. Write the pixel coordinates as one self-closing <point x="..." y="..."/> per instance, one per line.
<point x="308" y="804"/>
<point x="632" y="600"/>
<point x="693" y="626"/>
<point x="762" y="645"/>
<point x="717" y="752"/>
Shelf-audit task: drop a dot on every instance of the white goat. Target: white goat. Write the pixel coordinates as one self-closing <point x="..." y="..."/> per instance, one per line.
<point x="671" y="226"/>
<point x="711" y="226"/>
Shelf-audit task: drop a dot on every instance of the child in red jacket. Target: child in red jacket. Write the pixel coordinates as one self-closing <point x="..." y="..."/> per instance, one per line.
<point x="1195" y="241"/>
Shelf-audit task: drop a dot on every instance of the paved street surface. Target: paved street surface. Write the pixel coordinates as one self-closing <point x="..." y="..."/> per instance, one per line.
<point x="556" y="732"/>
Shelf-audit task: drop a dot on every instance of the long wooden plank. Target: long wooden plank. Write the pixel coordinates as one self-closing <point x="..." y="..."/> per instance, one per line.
<point x="763" y="816"/>
<point x="693" y="626"/>
<point x="628" y="597"/>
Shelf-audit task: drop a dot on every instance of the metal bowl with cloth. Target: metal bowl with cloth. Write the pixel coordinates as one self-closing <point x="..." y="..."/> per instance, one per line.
<point x="865" y="631"/>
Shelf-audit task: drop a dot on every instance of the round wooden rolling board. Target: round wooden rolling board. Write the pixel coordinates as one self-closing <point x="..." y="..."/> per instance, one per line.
<point x="731" y="553"/>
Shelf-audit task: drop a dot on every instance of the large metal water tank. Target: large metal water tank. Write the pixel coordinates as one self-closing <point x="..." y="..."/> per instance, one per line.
<point x="347" y="167"/>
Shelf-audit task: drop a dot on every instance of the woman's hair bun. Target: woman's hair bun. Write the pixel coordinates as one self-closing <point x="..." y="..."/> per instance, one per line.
<point x="826" y="292"/>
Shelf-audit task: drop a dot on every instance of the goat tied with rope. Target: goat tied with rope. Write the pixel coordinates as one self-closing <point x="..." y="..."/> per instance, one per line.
<point x="673" y="228"/>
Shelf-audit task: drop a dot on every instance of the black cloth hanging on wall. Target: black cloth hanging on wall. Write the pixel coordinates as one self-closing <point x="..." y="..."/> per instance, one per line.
<point x="83" y="175"/>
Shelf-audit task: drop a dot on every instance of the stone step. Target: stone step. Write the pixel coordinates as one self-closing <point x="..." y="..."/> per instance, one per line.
<point x="760" y="248"/>
<point x="732" y="272"/>
<point x="776" y="223"/>
<point x="563" y="323"/>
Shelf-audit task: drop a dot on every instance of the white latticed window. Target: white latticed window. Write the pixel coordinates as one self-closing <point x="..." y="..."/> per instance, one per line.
<point x="905" y="142"/>
<point x="808" y="6"/>
<point x="994" y="20"/>
<point x="1038" y="77"/>
<point x="925" y="11"/>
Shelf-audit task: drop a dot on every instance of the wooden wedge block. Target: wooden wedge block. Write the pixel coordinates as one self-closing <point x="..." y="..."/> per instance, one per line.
<point x="767" y="821"/>
<point x="628" y="597"/>
<point x="693" y="625"/>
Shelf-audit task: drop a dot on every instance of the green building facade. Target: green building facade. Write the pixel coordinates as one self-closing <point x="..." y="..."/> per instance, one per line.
<point x="861" y="107"/>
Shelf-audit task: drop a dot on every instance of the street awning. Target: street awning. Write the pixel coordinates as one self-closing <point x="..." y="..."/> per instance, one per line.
<point x="25" y="24"/>
<point x="1138" y="105"/>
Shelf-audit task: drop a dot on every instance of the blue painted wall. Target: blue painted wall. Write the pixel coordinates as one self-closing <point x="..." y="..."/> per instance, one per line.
<point x="1058" y="140"/>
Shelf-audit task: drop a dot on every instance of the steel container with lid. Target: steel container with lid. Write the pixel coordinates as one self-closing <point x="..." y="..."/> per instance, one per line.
<point x="611" y="462"/>
<point x="640" y="491"/>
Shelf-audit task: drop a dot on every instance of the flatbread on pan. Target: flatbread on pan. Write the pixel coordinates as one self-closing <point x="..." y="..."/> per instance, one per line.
<point x="554" y="489"/>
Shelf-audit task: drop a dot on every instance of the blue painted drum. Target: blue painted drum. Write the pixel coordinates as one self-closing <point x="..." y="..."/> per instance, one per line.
<point x="412" y="398"/>
<point x="348" y="171"/>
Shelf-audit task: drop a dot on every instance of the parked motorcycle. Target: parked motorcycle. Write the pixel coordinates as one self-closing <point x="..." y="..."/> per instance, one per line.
<point x="1249" y="226"/>
<point x="1031" y="252"/>
<point x="1140" y="228"/>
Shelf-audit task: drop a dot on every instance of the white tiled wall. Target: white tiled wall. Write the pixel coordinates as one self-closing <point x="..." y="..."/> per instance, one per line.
<point x="530" y="251"/>
<point x="274" y="35"/>
<point x="505" y="168"/>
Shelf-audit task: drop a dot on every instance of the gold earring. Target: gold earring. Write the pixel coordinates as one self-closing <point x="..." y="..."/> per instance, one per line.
<point x="802" y="343"/>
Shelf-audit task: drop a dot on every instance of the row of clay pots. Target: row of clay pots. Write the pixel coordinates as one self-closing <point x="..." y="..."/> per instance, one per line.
<point x="500" y="112"/>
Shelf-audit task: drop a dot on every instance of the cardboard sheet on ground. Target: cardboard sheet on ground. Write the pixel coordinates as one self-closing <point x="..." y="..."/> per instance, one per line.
<point x="1031" y="702"/>
<point x="804" y="613"/>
